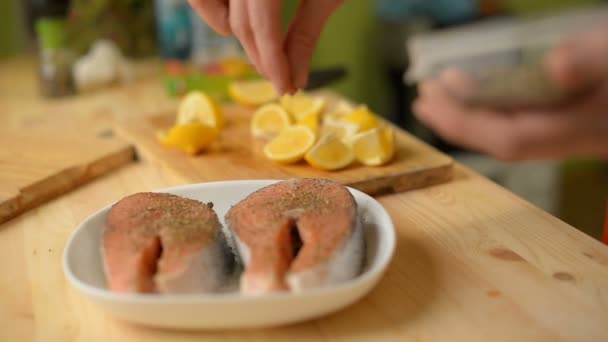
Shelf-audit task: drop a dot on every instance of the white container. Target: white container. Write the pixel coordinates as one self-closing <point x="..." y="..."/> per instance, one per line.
<point x="82" y="264"/>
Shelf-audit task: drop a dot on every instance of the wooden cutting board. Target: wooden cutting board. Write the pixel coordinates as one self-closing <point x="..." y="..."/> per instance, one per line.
<point x="38" y="165"/>
<point x="237" y="155"/>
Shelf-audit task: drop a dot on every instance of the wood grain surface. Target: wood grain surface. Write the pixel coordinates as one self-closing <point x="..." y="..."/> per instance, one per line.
<point x="37" y="165"/>
<point x="473" y="261"/>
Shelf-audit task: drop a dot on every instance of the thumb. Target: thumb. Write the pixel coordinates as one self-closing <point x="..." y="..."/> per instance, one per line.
<point x="303" y="36"/>
<point x="581" y="60"/>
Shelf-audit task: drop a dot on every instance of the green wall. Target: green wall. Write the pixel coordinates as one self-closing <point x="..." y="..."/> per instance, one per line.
<point x="12" y="37"/>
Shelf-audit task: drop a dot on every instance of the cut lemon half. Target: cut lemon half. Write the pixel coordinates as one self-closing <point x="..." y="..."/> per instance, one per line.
<point x="330" y="153"/>
<point x="269" y="120"/>
<point x="362" y="117"/>
<point x="252" y="92"/>
<point x="198" y="107"/>
<point x="290" y="145"/>
<point x="191" y="138"/>
<point x="374" y="147"/>
<point x="301" y="105"/>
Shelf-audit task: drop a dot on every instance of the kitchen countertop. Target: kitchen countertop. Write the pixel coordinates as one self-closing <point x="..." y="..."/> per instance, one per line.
<point x="473" y="261"/>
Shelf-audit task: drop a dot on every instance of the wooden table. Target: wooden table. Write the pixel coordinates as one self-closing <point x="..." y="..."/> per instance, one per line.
<point x="473" y="261"/>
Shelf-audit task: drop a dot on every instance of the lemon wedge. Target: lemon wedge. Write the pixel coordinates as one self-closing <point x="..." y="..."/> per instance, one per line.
<point x="190" y="138"/>
<point x="311" y="121"/>
<point x="269" y="120"/>
<point x="302" y="105"/>
<point x="340" y="129"/>
<point x="198" y="107"/>
<point x="290" y="145"/>
<point x="339" y="112"/>
<point x="362" y="117"/>
<point x="374" y="147"/>
<point x="252" y="92"/>
<point x="330" y="153"/>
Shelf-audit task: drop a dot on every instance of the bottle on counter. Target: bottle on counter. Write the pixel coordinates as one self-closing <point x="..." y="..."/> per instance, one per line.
<point x="208" y="46"/>
<point x="174" y="29"/>
<point x="184" y="36"/>
<point x="55" y="58"/>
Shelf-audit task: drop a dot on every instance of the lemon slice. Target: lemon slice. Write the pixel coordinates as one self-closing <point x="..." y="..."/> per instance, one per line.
<point x="252" y="93"/>
<point x="198" y="107"/>
<point x="374" y="147"/>
<point x="290" y="145"/>
<point x="190" y="138"/>
<point x="269" y="120"/>
<point x="330" y="153"/>
<point x="302" y="105"/>
<point x="311" y="121"/>
<point x="362" y="117"/>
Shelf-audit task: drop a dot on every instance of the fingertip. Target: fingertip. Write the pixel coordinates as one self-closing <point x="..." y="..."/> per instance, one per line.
<point x="280" y="82"/>
<point x="259" y="69"/>
<point x="293" y="90"/>
<point x="281" y="88"/>
<point x="301" y="81"/>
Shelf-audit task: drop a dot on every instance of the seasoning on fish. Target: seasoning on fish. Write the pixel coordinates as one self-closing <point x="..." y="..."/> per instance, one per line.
<point x="162" y="243"/>
<point x="297" y="234"/>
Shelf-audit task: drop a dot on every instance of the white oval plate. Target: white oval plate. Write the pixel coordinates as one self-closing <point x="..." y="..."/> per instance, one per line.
<point x="82" y="265"/>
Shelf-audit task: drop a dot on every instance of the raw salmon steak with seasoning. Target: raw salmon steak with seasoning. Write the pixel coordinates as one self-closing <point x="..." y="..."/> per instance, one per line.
<point x="297" y="234"/>
<point x="162" y="243"/>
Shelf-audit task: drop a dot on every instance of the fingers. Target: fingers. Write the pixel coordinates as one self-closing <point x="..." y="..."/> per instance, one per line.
<point x="215" y="13"/>
<point x="241" y="27"/>
<point x="303" y="35"/>
<point x="507" y="136"/>
<point x="580" y="60"/>
<point x="447" y="118"/>
<point x="265" y="17"/>
<point x="257" y="25"/>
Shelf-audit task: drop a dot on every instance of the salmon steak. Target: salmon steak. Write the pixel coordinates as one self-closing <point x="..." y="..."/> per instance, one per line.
<point x="297" y="234"/>
<point x="162" y="243"/>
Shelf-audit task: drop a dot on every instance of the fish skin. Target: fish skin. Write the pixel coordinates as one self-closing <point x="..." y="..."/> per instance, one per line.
<point x="162" y="243"/>
<point x="325" y="215"/>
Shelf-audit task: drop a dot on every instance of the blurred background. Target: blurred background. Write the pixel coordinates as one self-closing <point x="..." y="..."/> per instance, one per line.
<point x="368" y="38"/>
